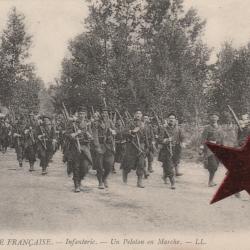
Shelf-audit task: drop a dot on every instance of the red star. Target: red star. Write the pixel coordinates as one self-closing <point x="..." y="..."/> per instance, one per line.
<point x="237" y="161"/>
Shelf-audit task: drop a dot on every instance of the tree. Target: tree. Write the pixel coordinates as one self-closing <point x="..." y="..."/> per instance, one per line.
<point x="231" y="79"/>
<point x="146" y="53"/>
<point x="19" y="85"/>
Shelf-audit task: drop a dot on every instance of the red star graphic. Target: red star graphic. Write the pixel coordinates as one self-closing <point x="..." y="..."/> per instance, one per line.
<point x="237" y="161"/>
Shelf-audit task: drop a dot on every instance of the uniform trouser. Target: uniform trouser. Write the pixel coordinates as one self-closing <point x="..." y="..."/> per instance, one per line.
<point x="80" y="167"/>
<point x="70" y="166"/>
<point x="150" y="158"/>
<point x="104" y="164"/>
<point x="176" y="157"/>
<point x="44" y="156"/>
<point x="133" y="160"/>
<point x="30" y="154"/>
<point x="119" y="152"/>
<point x="19" y="153"/>
<point x="168" y="166"/>
<point x="212" y="164"/>
<point x="5" y="143"/>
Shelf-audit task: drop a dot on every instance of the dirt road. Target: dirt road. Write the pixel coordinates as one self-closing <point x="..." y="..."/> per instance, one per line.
<point x="34" y="203"/>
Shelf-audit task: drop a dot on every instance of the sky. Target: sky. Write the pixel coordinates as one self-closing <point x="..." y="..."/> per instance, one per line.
<point x="54" y="22"/>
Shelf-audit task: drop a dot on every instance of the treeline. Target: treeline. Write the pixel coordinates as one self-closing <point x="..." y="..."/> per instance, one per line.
<point x="151" y="54"/>
<point x="138" y="53"/>
<point x="134" y="53"/>
<point x="19" y="84"/>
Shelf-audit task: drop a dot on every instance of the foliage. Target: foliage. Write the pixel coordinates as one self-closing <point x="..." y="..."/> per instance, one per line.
<point x="138" y="53"/>
<point x="19" y="84"/>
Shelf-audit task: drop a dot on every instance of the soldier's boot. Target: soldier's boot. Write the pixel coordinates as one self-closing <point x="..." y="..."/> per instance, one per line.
<point x="20" y="164"/>
<point x="105" y="182"/>
<point x="124" y="176"/>
<point x="177" y="172"/>
<point x="77" y="186"/>
<point x="100" y="185"/>
<point x="172" y="181"/>
<point x="146" y="173"/>
<point x="150" y="168"/>
<point x="31" y="166"/>
<point x="211" y="180"/>
<point x="139" y="182"/>
<point x="44" y="171"/>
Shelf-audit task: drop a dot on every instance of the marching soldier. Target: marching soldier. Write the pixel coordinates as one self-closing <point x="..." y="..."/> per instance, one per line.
<point x="79" y="136"/>
<point x="18" y="136"/>
<point x="243" y="132"/>
<point x="46" y="143"/>
<point x="171" y="140"/>
<point x="30" y="137"/>
<point x="5" y="132"/>
<point x="135" y="150"/>
<point x="151" y="140"/>
<point x="119" y="142"/>
<point x="103" y="147"/>
<point x="211" y="133"/>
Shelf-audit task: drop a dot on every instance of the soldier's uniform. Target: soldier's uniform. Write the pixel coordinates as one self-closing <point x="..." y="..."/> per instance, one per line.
<point x="5" y="133"/>
<point x="18" y="137"/>
<point x="30" y="141"/>
<point x="119" y="142"/>
<point x="211" y="133"/>
<point x="103" y="148"/>
<point x="151" y="149"/>
<point x="135" y="151"/>
<point x="46" y="143"/>
<point x="170" y="139"/>
<point x="242" y="134"/>
<point x="78" y="149"/>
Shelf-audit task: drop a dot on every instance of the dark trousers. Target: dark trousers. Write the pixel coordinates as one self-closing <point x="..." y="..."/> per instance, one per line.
<point x="104" y="163"/>
<point x="80" y="167"/>
<point x="168" y="168"/>
<point x="119" y="154"/>
<point x="133" y="160"/>
<point x="30" y="153"/>
<point x="44" y="156"/>
<point x="212" y="164"/>
<point x="19" y="153"/>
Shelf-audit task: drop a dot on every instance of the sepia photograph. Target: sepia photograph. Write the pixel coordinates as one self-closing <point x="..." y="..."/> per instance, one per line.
<point x="125" y="124"/>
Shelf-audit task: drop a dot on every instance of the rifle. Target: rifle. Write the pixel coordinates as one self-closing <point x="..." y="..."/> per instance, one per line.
<point x="123" y="123"/>
<point x="93" y="111"/>
<point x="114" y="118"/>
<point x="165" y="130"/>
<point x="74" y="127"/>
<point x="44" y="140"/>
<point x="31" y="135"/>
<point x="13" y="118"/>
<point x="235" y="117"/>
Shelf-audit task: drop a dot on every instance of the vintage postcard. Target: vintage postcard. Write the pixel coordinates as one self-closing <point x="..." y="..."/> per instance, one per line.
<point x="124" y="124"/>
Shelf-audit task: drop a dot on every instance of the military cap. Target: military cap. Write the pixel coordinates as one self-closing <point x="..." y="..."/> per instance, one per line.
<point x="213" y="113"/>
<point x="171" y="114"/>
<point x="103" y="109"/>
<point x="82" y="109"/>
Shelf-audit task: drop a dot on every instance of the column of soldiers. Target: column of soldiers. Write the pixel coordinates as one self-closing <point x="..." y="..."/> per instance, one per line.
<point x="104" y="139"/>
<point x="101" y="141"/>
<point x="31" y="136"/>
